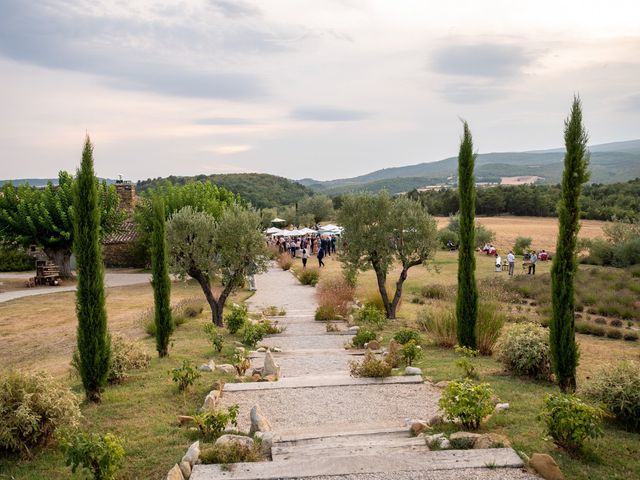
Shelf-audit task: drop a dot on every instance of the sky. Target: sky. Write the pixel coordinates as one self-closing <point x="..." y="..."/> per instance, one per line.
<point x="304" y="88"/>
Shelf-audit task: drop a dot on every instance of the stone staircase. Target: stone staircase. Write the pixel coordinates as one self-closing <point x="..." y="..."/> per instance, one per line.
<point x="370" y="451"/>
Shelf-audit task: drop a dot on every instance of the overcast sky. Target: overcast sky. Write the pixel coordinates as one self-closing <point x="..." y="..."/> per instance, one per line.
<point x="304" y="88"/>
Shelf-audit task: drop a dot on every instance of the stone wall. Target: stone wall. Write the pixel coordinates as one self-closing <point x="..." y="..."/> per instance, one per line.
<point x="121" y="255"/>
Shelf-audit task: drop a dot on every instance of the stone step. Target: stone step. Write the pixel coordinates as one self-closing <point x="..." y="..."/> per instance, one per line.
<point x="389" y="447"/>
<point x="311" y="381"/>
<point x="338" y="431"/>
<point x="415" y="461"/>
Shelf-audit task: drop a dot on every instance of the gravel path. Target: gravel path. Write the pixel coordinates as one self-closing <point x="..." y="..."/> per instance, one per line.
<point x="463" y="474"/>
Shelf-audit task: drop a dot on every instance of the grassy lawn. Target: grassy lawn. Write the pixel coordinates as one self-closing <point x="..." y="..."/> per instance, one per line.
<point x="142" y="410"/>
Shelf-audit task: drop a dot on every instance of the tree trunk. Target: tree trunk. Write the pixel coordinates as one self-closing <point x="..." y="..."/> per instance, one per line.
<point x="398" y="295"/>
<point x="62" y="258"/>
<point x="382" y="288"/>
<point x="205" y="284"/>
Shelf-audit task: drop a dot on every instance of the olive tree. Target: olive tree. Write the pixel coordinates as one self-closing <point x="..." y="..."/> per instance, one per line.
<point x="380" y="231"/>
<point x="221" y="252"/>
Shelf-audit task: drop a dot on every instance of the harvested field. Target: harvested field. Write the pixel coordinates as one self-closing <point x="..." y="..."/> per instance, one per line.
<point x="543" y="231"/>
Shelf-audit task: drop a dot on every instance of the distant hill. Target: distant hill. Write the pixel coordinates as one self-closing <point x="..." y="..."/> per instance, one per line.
<point x="260" y="189"/>
<point x="610" y="163"/>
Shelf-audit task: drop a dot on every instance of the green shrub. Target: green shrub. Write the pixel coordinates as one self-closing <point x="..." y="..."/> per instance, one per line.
<point x="32" y="407"/>
<point x="212" y="423"/>
<point x="15" y="259"/>
<point x="465" y="363"/>
<point x="409" y="352"/>
<point x="215" y="336"/>
<point x="614" y="333"/>
<point x="147" y="322"/>
<point x="371" y="315"/>
<point x="467" y="402"/>
<point x="488" y="326"/>
<point x="524" y="350"/>
<point x="588" y="328"/>
<point x="436" y="292"/>
<point x="618" y="388"/>
<point x="241" y="361"/>
<point x="325" y="312"/>
<point x="371" y="366"/>
<point x="363" y="336"/>
<point x="251" y="334"/>
<point x="440" y="326"/>
<point x="185" y="375"/>
<point x="405" y="335"/>
<point x="522" y="245"/>
<point x="630" y="336"/>
<point x="188" y="308"/>
<point x="101" y="455"/>
<point x="270" y="328"/>
<point x="309" y="276"/>
<point x="236" y="318"/>
<point x="230" y="453"/>
<point x="445" y="236"/>
<point x="569" y="421"/>
<point x="125" y="356"/>
<point x="273" y="311"/>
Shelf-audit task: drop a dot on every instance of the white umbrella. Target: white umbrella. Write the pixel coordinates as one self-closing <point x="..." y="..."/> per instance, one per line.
<point x="278" y="220"/>
<point x="273" y="230"/>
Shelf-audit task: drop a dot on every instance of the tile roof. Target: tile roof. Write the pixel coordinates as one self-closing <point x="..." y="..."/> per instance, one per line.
<point x="126" y="234"/>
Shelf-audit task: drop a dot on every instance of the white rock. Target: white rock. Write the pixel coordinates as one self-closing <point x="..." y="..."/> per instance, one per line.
<point x="211" y="400"/>
<point x="261" y="350"/>
<point x="276" y="349"/>
<point x="270" y="366"/>
<point x="175" y="473"/>
<point x="207" y="367"/>
<point x="443" y="384"/>
<point x="266" y="442"/>
<point x="501" y="407"/>
<point x="185" y="468"/>
<point x="229" y="439"/>
<point x="193" y="454"/>
<point x="259" y="423"/>
<point x="412" y="371"/>
<point x="226" y="368"/>
<point x="444" y="443"/>
<point x="434" y="440"/>
<point x="355" y="328"/>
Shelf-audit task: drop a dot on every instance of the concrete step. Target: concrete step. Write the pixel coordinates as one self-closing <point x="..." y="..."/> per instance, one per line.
<point x="314" y="466"/>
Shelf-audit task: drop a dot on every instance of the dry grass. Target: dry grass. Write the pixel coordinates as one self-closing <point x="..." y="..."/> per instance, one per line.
<point x="543" y="231"/>
<point x="40" y="331"/>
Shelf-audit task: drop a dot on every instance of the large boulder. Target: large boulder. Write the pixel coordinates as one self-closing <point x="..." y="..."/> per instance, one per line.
<point x="266" y="442"/>
<point x="270" y="366"/>
<point x="185" y="468"/>
<point x="175" y="473"/>
<point x="210" y="366"/>
<point x="491" y="440"/>
<point x="193" y="454"/>
<point x="546" y="466"/>
<point x="239" y="440"/>
<point x="463" y="439"/>
<point x="226" y="368"/>
<point x="259" y="423"/>
<point x="412" y="371"/>
<point x="417" y="427"/>
<point x="501" y="407"/>
<point x="372" y="345"/>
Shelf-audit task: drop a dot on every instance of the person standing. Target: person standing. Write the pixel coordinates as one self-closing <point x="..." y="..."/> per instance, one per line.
<point x="498" y="262"/>
<point x="320" y="257"/>
<point x="305" y="256"/>
<point x="333" y="244"/>
<point x="511" y="259"/>
<point x="532" y="263"/>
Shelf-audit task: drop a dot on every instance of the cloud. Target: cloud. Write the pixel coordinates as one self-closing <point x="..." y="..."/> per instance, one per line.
<point x="223" y="121"/>
<point x="172" y="55"/>
<point x="327" y="114"/>
<point x="235" y="8"/>
<point x="489" y="60"/>
<point x="473" y="92"/>
<point x="630" y="103"/>
<point x="228" y="149"/>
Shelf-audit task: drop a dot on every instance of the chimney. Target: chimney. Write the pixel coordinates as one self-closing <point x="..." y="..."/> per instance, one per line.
<point x="127" y="193"/>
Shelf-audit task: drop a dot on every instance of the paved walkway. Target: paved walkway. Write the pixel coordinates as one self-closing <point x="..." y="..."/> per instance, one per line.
<point x="331" y="424"/>
<point x="112" y="279"/>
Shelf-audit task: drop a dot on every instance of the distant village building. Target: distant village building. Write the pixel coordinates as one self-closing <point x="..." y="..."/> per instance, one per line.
<point x="118" y="249"/>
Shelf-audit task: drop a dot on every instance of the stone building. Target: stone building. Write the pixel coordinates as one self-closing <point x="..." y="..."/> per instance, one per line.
<point x="118" y="249"/>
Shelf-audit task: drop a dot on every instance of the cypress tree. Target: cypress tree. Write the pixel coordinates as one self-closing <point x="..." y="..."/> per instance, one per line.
<point x="94" y="343"/>
<point x="564" y="350"/>
<point x="467" y="301"/>
<point x="160" y="279"/>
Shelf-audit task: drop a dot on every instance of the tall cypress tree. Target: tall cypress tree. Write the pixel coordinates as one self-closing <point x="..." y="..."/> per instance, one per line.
<point x="564" y="350"/>
<point x="467" y="301"/>
<point x="94" y="343"/>
<point x="160" y="279"/>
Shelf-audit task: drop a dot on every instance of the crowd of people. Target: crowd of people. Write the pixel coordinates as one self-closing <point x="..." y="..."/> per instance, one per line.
<point x="529" y="261"/>
<point x="306" y="245"/>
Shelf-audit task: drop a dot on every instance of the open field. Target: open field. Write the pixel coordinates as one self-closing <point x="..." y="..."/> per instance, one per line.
<point x="543" y="231"/>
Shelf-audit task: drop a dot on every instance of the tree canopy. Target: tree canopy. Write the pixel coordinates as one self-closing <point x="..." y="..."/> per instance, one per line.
<point x="224" y="250"/>
<point x="379" y="231"/>
<point x="44" y="217"/>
